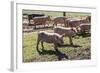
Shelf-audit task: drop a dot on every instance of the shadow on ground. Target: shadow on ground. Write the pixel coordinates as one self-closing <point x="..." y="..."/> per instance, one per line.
<point x="68" y="45"/>
<point x="60" y="55"/>
<point x="84" y="34"/>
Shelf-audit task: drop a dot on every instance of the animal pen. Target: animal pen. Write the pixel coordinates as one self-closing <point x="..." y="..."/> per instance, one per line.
<point x="76" y="43"/>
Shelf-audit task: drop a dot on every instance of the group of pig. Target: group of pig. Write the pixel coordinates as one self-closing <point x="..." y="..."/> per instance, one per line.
<point x="72" y="28"/>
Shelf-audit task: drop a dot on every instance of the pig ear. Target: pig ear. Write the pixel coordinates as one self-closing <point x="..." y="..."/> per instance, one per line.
<point x="78" y="28"/>
<point x="62" y="35"/>
<point x="72" y="29"/>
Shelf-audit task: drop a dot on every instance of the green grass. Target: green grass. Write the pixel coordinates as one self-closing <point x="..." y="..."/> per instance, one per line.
<point x="57" y="13"/>
<point x="79" y="52"/>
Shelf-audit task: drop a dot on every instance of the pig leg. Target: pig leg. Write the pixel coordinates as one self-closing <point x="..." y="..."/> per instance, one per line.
<point x="70" y="40"/>
<point x="42" y="45"/>
<point x="55" y="47"/>
<point x="38" y="41"/>
<point x="37" y="44"/>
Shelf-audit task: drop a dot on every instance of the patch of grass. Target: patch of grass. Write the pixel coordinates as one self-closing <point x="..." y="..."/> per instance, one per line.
<point x="57" y="13"/>
<point x="79" y="51"/>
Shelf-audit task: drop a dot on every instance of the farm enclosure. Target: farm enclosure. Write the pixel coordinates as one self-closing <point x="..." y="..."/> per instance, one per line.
<point x="79" y="51"/>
